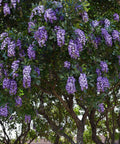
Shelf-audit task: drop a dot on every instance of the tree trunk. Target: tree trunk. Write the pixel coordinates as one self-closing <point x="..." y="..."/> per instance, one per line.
<point x="80" y="132"/>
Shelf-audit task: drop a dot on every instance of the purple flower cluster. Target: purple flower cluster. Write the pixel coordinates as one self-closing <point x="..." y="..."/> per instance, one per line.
<point x="85" y="16"/>
<point x="4" y="111"/>
<point x="6" y="9"/>
<point x="39" y="10"/>
<point x="115" y="35"/>
<point x="31" y="52"/>
<point x="116" y="17"/>
<point x="11" y="49"/>
<point x="104" y="66"/>
<point x="98" y="72"/>
<point x="95" y="23"/>
<point x="15" y="66"/>
<point x="73" y="49"/>
<point x="18" y="101"/>
<point x="2" y="35"/>
<point x="107" y="23"/>
<point x="50" y="15"/>
<point x="41" y="36"/>
<point x="26" y="76"/>
<point x="70" y="86"/>
<point x="61" y="37"/>
<point x="81" y="39"/>
<point x="27" y="118"/>
<point x="96" y="42"/>
<point x="6" y="83"/>
<point x="101" y="107"/>
<point x="13" y="87"/>
<point x="67" y="64"/>
<point x="83" y="81"/>
<point x="107" y="36"/>
<point x="37" y="70"/>
<point x="102" y="83"/>
<point x="30" y="26"/>
<point x="5" y="42"/>
<point x="56" y="28"/>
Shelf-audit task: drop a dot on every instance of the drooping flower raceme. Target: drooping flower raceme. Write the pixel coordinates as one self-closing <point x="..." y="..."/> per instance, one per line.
<point x="6" y="9"/>
<point x="101" y="107"/>
<point x="6" y="83"/>
<point x="2" y="35"/>
<point x="31" y="52"/>
<point x="5" y="42"/>
<point x="13" y="3"/>
<point x="13" y="87"/>
<point x="80" y="40"/>
<point x="116" y="17"/>
<point x="26" y="76"/>
<point x="83" y="81"/>
<point x="95" y="23"/>
<point x="107" y="23"/>
<point x="98" y="72"/>
<point x="50" y="15"/>
<point x="107" y="36"/>
<point x="11" y="49"/>
<point x="39" y="10"/>
<point x="70" y="86"/>
<point x="102" y="83"/>
<point x="41" y="36"/>
<point x="85" y="16"/>
<point x="27" y="118"/>
<point x="15" y="66"/>
<point x="4" y="111"/>
<point x="115" y="35"/>
<point x="18" y="101"/>
<point x="31" y="25"/>
<point x="104" y="66"/>
<point x="37" y="70"/>
<point x="73" y="49"/>
<point x="67" y="64"/>
<point x="61" y="37"/>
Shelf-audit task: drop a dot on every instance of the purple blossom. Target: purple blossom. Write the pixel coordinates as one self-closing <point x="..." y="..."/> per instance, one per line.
<point x="101" y="107"/>
<point x="104" y="66"/>
<point x="37" y="70"/>
<point x="11" y="49"/>
<point x="13" y="87"/>
<point x="83" y="81"/>
<point x="67" y="64"/>
<point x="6" y="83"/>
<point x="102" y="83"/>
<point x="26" y="77"/>
<point x="85" y="16"/>
<point x="98" y="72"/>
<point x="56" y="28"/>
<point x="31" y="52"/>
<point x="70" y="86"/>
<point x="18" y="101"/>
<point x="13" y="3"/>
<point x="41" y="36"/>
<point x="2" y="35"/>
<point x="4" y="111"/>
<point x="107" y="23"/>
<point x="107" y="37"/>
<point x="50" y="15"/>
<point x="73" y="49"/>
<point x="96" y="42"/>
<point x="5" y="42"/>
<point x="116" y="17"/>
<point x="115" y="35"/>
<point x="27" y="118"/>
<point x="15" y="65"/>
<point x="95" y="23"/>
<point x="61" y="37"/>
<point x="31" y="25"/>
<point x="81" y="39"/>
<point x="6" y="9"/>
<point x="39" y="10"/>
